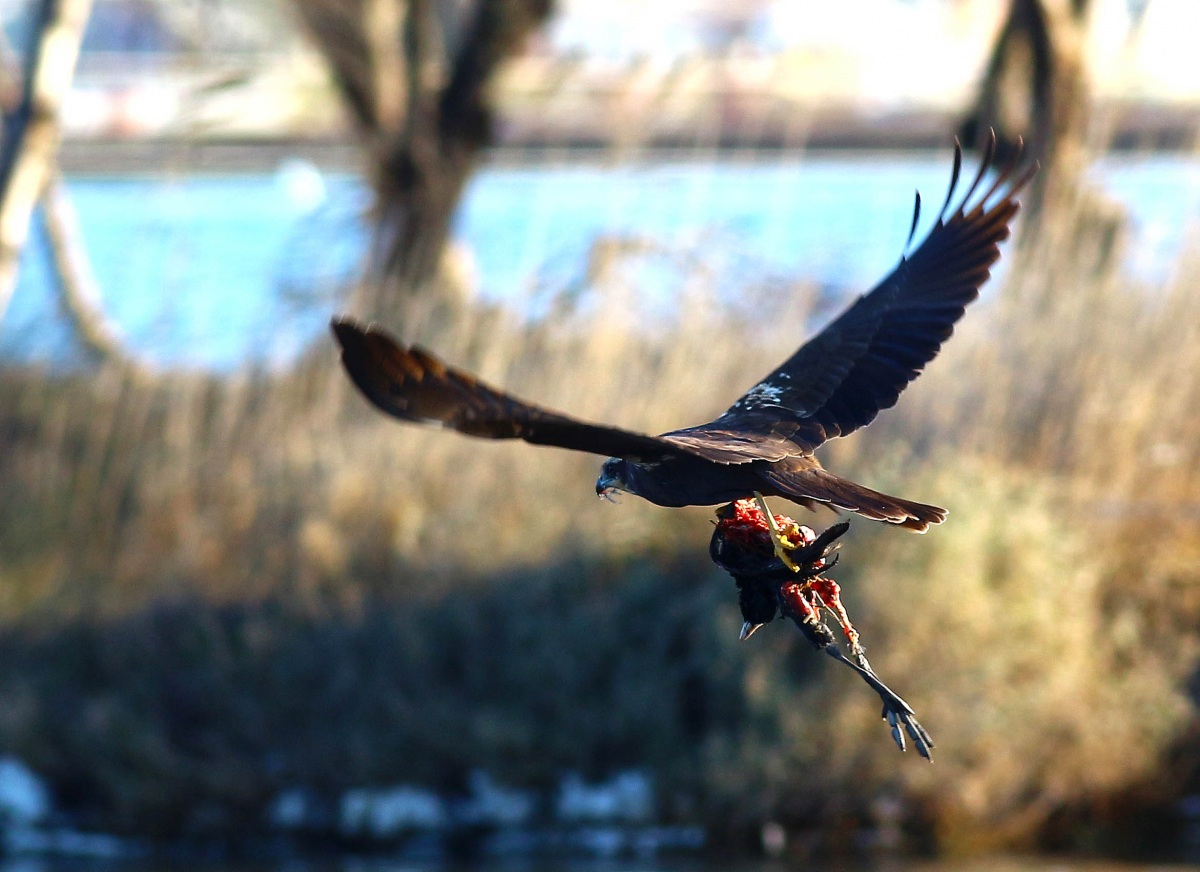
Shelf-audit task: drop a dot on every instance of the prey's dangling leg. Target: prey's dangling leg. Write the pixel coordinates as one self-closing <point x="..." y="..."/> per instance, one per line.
<point x="780" y="544"/>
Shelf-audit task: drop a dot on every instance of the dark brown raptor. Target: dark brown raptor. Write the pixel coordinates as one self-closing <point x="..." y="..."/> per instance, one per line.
<point x="763" y="444"/>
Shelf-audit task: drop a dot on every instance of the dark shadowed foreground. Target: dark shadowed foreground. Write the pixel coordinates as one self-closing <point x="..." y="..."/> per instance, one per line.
<point x="360" y="864"/>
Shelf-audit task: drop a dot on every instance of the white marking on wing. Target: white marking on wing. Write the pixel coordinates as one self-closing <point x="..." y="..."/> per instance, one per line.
<point x="762" y="394"/>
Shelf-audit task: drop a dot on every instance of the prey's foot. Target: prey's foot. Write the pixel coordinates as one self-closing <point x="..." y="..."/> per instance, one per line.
<point x="789" y="579"/>
<point x="782" y="549"/>
<point x="898" y="714"/>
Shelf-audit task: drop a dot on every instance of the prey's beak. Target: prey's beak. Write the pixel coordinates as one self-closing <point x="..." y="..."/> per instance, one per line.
<point x="747" y="631"/>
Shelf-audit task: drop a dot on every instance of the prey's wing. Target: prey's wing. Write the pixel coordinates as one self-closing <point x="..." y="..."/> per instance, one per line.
<point x="413" y="385"/>
<point x="858" y="365"/>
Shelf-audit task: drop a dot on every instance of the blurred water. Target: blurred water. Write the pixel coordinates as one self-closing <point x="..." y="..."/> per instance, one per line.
<point x="218" y="271"/>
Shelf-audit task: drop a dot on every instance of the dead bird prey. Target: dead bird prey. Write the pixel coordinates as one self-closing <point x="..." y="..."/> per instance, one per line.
<point x="763" y="444"/>
<point x="742" y="544"/>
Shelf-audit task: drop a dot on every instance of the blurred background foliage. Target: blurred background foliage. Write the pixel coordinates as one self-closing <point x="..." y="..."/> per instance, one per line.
<point x="218" y="585"/>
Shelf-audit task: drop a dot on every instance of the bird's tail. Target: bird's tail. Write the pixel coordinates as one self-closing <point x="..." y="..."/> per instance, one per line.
<point x="819" y="485"/>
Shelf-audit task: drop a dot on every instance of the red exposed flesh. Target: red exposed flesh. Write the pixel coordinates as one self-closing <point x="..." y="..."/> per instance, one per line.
<point x="747" y="527"/>
<point x="798" y="602"/>
<point x="829" y="592"/>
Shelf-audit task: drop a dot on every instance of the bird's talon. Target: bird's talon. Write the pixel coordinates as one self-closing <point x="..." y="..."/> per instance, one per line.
<point x="780" y="545"/>
<point x="784" y="558"/>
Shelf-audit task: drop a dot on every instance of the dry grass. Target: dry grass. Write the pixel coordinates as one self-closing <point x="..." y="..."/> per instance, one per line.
<point x="284" y="516"/>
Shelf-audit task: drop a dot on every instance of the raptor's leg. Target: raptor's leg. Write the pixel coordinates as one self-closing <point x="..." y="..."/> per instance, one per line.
<point x="781" y="547"/>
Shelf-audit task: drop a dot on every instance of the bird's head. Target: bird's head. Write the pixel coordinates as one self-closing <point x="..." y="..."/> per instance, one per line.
<point x="612" y="478"/>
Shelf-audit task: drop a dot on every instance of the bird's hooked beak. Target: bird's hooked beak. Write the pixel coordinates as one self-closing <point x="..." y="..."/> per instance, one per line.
<point x="610" y="481"/>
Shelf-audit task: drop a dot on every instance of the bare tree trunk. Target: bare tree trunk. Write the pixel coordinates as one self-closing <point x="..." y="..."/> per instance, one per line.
<point x="31" y="132"/>
<point x="414" y="74"/>
<point x="1037" y="87"/>
<point x="79" y="294"/>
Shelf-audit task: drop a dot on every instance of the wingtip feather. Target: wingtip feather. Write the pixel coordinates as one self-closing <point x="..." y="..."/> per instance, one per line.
<point x="346" y="330"/>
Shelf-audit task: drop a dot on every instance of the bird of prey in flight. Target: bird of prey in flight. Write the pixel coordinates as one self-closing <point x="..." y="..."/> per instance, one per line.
<point x="763" y="444"/>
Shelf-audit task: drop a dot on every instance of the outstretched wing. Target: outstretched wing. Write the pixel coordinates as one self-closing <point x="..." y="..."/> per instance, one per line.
<point x="858" y="365"/>
<point x="413" y="385"/>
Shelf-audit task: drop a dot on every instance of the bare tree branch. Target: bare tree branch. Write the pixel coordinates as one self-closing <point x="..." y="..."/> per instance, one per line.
<point x="415" y="74"/>
<point x="32" y="131"/>
<point x="382" y="21"/>
<point x="79" y="293"/>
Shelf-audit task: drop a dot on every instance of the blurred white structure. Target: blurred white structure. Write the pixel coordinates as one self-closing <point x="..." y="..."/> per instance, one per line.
<point x="388" y="812"/>
<point x="229" y="69"/>
<point x="24" y="798"/>
<point x="627" y="797"/>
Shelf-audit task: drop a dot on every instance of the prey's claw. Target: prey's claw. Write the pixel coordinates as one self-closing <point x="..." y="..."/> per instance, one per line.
<point x="921" y="739"/>
<point x="897" y="735"/>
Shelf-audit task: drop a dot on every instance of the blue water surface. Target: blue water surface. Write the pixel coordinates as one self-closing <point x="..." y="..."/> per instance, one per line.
<point x="228" y="270"/>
